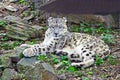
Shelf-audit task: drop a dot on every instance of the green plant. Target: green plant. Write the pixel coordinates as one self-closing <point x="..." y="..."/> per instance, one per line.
<point x="103" y="75"/>
<point x="42" y="57"/>
<point x="63" y="58"/>
<point x="112" y="60"/>
<point x="74" y="28"/>
<point x="0" y="62"/>
<point x="32" y="41"/>
<point x="55" y="60"/>
<point x="85" y="78"/>
<point x="22" y="2"/>
<point x="3" y="23"/>
<point x="9" y="45"/>
<point x="65" y="63"/>
<point x="3" y="37"/>
<point x="90" y="73"/>
<point x="99" y="60"/>
<point x="100" y="30"/>
<point x="108" y="38"/>
<point x="71" y="69"/>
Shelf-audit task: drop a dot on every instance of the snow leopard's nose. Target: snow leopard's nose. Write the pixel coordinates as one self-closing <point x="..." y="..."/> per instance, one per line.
<point x="56" y="34"/>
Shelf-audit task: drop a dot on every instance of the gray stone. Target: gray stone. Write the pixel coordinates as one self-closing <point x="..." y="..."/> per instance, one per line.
<point x="13" y="0"/>
<point x="41" y="71"/>
<point x="118" y="77"/>
<point x="26" y="63"/>
<point x="37" y="27"/>
<point x="90" y="19"/>
<point x="1" y="5"/>
<point x="10" y="74"/>
<point x="62" y="77"/>
<point x="5" y="58"/>
<point x="18" y="50"/>
<point x="21" y="31"/>
<point x="108" y="20"/>
<point x="11" y="8"/>
<point x="12" y="18"/>
<point x="28" y="18"/>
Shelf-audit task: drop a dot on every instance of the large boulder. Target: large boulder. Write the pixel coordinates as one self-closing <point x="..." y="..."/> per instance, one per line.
<point x="92" y="19"/>
<point x="41" y="71"/>
<point x="26" y="63"/>
<point x="89" y="19"/>
<point x="5" y="58"/>
<point x="36" y="70"/>
<point x="21" y="31"/>
<point x="10" y="74"/>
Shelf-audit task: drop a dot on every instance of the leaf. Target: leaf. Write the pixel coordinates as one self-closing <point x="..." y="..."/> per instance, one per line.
<point x="85" y="78"/>
<point x="55" y="61"/>
<point x="64" y="58"/>
<point x="99" y="60"/>
<point x="71" y="69"/>
<point x="42" y="57"/>
<point x="3" y="23"/>
<point x="65" y="63"/>
<point x="90" y="73"/>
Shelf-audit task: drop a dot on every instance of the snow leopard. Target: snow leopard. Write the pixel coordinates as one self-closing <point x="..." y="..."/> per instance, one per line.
<point x="80" y="48"/>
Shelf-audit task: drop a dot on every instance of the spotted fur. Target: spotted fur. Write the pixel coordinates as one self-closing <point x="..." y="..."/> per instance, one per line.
<point x="79" y="47"/>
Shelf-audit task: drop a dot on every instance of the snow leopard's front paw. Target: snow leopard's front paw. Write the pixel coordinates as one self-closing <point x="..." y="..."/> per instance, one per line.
<point x="28" y="52"/>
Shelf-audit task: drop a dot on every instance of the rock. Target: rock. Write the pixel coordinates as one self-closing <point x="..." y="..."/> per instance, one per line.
<point x="24" y="32"/>
<point x="10" y="74"/>
<point x="21" y="31"/>
<point x="18" y="50"/>
<point x="13" y="0"/>
<point x="28" y="18"/>
<point x="12" y="18"/>
<point x="26" y="63"/>
<point x="62" y="77"/>
<point x="37" y="27"/>
<point x="34" y="70"/>
<point x="1" y="15"/>
<point x="1" y="5"/>
<point x="5" y="58"/>
<point x="118" y="77"/>
<point x="17" y="31"/>
<point x="41" y="71"/>
<point x="11" y="8"/>
<point x="107" y="20"/>
<point x="59" y="65"/>
<point x="2" y="67"/>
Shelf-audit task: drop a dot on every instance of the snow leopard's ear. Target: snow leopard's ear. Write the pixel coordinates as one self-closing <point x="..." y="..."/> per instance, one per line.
<point x="49" y="18"/>
<point x="65" y="19"/>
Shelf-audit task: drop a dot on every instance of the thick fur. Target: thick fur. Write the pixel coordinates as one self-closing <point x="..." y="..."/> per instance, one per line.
<point x="79" y="47"/>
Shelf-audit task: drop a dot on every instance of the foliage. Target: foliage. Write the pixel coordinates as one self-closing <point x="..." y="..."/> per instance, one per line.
<point x="85" y="78"/>
<point x="0" y="62"/>
<point x="55" y="60"/>
<point x="71" y="69"/>
<point x="9" y="45"/>
<point x="112" y="60"/>
<point x="99" y="60"/>
<point x="64" y="58"/>
<point x="32" y="41"/>
<point x="22" y="2"/>
<point x="3" y="37"/>
<point x="108" y="38"/>
<point x="3" y="23"/>
<point x="74" y="28"/>
<point x="42" y="57"/>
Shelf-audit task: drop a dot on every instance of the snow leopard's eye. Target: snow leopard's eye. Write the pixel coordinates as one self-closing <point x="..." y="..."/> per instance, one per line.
<point x="51" y="27"/>
<point x="60" y="27"/>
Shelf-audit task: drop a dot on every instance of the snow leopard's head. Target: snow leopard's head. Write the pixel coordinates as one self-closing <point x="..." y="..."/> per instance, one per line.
<point x="57" y="26"/>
